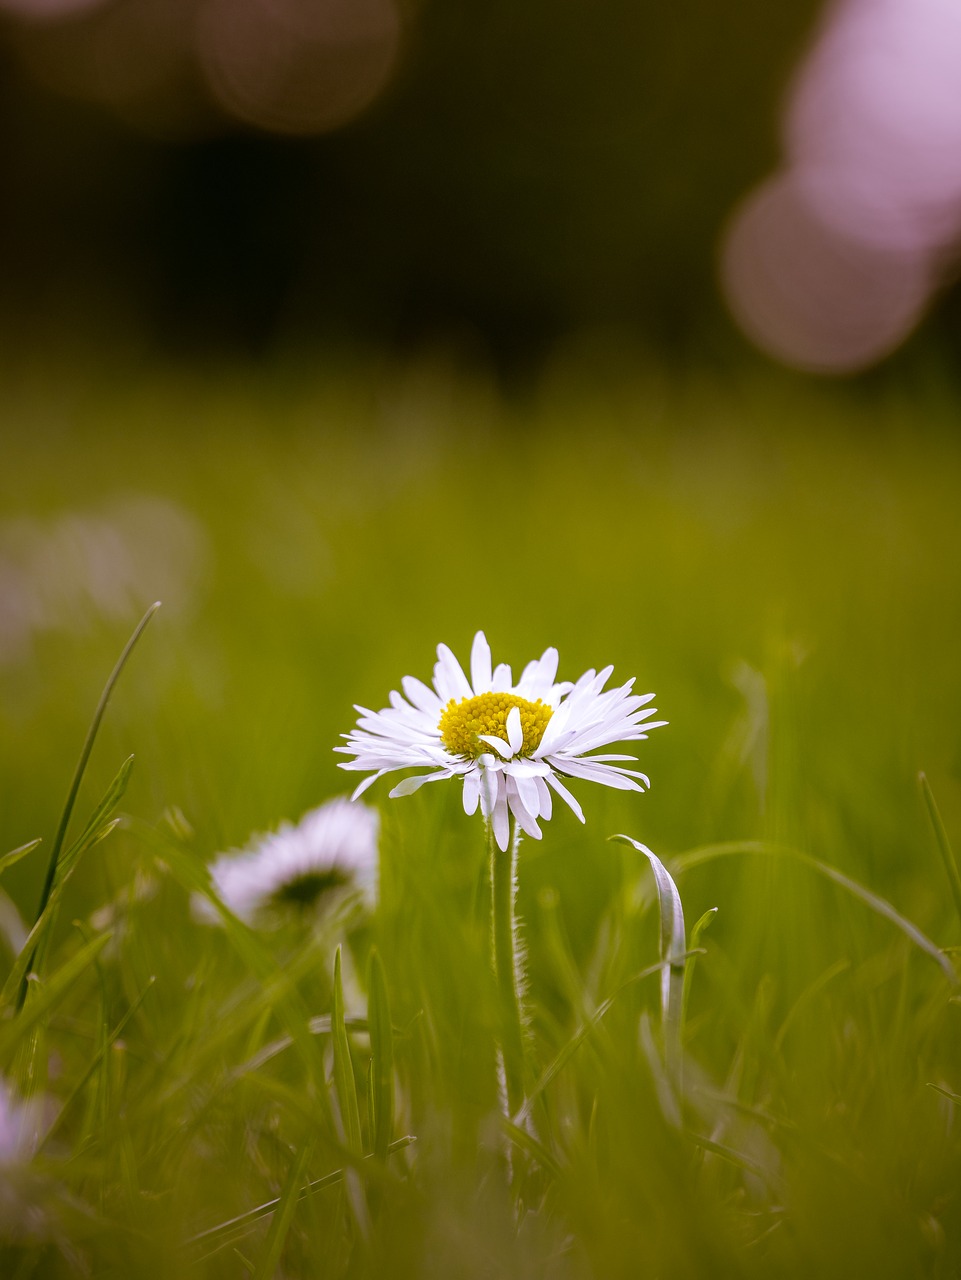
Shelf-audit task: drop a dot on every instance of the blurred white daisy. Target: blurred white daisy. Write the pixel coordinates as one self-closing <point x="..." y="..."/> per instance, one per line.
<point x="510" y="743"/>
<point x="19" y="1122"/>
<point x="330" y="853"/>
<point x="21" y="1213"/>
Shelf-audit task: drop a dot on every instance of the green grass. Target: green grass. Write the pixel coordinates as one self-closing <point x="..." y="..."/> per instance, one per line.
<point x="779" y="563"/>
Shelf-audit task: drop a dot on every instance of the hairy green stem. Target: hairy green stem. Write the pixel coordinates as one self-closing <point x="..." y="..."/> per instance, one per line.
<point x="507" y="966"/>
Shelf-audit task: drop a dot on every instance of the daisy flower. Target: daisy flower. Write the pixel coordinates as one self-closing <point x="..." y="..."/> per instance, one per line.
<point x="19" y="1122"/>
<point x="510" y="743"/>
<point x="21" y="1193"/>
<point x="330" y="852"/>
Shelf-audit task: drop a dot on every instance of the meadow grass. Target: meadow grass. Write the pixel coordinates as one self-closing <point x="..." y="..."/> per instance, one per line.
<point x="320" y="1098"/>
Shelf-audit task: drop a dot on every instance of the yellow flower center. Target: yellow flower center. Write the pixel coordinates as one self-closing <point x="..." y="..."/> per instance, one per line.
<point x="461" y="723"/>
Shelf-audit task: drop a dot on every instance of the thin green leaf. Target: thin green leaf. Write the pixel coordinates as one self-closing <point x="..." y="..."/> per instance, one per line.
<point x="95" y="1062"/>
<point x="319" y="1026"/>
<point x="806" y="997"/>
<point x="525" y="1141"/>
<point x="737" y="1158"/>
<point x="344" y="1081"/>
<point x="382" y="1055"/>
<point x="954" y="1097"/>
<point x="879" y="905"/>
<point x="705" y="921"/>
<point x="346" y="1089"/>
<point x="81" y="768"/>
<point x="944" y="844"/>
<point x="99" y="823"/>
<point x="283" y="1215"/>
<point x="14" y="856"/>
<point x="222" y="1234"/>
<point x="17" y="977"/>
<point x="51" y="993"/>
<point x="567" y="1051"/>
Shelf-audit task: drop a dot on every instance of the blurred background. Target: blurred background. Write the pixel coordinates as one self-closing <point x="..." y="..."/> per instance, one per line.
<point x="238" y="177"/>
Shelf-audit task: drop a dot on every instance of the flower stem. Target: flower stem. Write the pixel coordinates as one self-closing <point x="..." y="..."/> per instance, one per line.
<point x="507" y="966"/>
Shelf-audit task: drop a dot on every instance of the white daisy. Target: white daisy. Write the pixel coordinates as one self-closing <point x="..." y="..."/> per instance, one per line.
<point x="510" y="743"/>
<point x="22" y="1193"/>
<point x="19" y="1122"/>
<point x="331" y="851"/>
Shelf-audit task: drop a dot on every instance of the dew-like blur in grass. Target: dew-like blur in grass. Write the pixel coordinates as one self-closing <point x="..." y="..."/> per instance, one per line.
<point x="777" y="561"/>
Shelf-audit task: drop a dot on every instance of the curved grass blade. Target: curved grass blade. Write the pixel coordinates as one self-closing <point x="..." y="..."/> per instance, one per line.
<point x="100" y="824"/>
<point x="705" y="921"/>
<point x="14" y="856"/>
<point x="224" y="1233"/>
<point x="673" y="949"/>
<point x="880" y="906"/>
<point x="51" y="992"/>
<point x="947" y="1093"/>
<point x="80" y="770"/>
<point x="525" y="1141"/>
<point x="737" y="1158"/>
<point x="944" y="844"/>
<point x="381" y="1056"/>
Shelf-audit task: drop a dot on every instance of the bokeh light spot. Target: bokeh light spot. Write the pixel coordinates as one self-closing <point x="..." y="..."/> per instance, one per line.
<point x="809" y="296"/>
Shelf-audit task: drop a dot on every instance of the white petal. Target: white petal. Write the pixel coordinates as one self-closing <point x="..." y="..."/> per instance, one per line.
<point x="503" y="749"/>
<point x="499" y="818"/>
<point x="409" y="785"/>
<point x="449" y="679"/>
<point x="544" y="795"/>
<point x="522" y="814"/>
<point x="480" y="664"/>
<point x="423" y="698"/>
<point x="515" y="730"/>
<point x="502" y="680"/>
<point x="472" y="789"/>
<point x="548" y="666"/>
<point x="564" y="794"/>
<point x="359" y="791"/>
<point x="525" y="787"/>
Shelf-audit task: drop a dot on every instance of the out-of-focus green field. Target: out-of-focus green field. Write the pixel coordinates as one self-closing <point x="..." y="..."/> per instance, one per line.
<point x="780" y="563"/>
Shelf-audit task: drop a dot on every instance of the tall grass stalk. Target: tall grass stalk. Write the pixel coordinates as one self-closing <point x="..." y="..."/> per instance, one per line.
<point x="80" y="770"/>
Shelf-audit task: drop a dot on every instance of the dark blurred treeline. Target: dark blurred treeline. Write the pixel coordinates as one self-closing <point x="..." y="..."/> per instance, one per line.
<point x="531" y="168"/>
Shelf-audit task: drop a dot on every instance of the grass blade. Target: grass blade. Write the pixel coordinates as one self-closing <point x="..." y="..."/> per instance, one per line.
<point x="346" y="1088"/>
<point x="703" y="923"/>
<point x="382" y="1056"/>
<point x="283" y="1215"/>
<point x="97" y="1060"/>
<point x="223" y="1233"/>
<point x="567" y="1050"/>
<point x="880" y="906"/>
<point x="51" y="992"/>
<point x="101" y="822"/>
<point x="344" y="1081"/>
<point x="14" y="856"/>
<point x="944" y="844"/>
<point x="673" y="949"/>
<point x="78" y="778"/>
